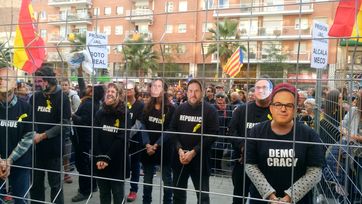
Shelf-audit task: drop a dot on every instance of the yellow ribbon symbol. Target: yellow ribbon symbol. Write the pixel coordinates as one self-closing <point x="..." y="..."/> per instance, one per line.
<point x="129" y="105"/>
<point x="197" y="126"/>
<point x="163" y="118"/>
<point x="22" y="117"/>
<point x="49" y="104"/>
<point x="270" y="117"/>
<point x="116" y="124"/>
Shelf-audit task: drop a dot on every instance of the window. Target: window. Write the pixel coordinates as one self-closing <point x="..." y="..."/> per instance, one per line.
<point x="96" y="11"/>
<point x="118" y="30"/>
<point x="168" y="28"/>
<point x="118" y="48"/>
<point x="43" y="33"/>
<point x="182" y="6"/>
<point x="182" y="28"/>
<point x="169" y="7"/>
<point x="43" y="15"/>
<point x="303" y="23"/>
<point x="207" y="4"/>
<point x="119" y="10"/>
<point x="302" y="48"/>
<point x="206" y="27"/>
<point x="167" y="49"/>
<point x="107" y="30"/>
<point x="107" y="11"/>
<point x="223" y="3"/>
<point x="181" y="49"/>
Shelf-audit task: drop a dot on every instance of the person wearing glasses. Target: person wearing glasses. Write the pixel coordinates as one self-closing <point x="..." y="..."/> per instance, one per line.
<point x="210" y="95"/>
<point x="243" y="119"/>
<point x="285" y="163"/>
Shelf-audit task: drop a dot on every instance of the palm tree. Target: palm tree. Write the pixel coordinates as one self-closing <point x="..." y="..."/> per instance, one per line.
<point x="139" y="55"/>
<point x="78" y="41"/>
<point x="223" y="38"/>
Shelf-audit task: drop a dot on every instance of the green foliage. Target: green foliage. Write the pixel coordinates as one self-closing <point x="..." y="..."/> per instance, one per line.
<point x="5" y="56"/>
<point x="140" y="56"/>
<point x="225" y="40"/>
<point x="79" y="42"/>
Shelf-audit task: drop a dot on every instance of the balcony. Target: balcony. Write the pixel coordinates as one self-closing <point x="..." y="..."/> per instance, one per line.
<point x="129" y="35"/>
<point x="282" y="33"/>
<point x="248" y="10"/>
<point x="80" y="3"/>
<point x="72" y="18"/>
<point x="138" y="15"/>
<point x="291" y="57"/>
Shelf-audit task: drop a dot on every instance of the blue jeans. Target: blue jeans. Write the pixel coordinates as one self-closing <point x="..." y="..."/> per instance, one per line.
<point x="107" y="188"/>
<point x="148" y="170"/>
<point x="19" y="180"/>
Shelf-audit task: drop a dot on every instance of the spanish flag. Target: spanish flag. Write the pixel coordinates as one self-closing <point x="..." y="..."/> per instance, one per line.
<point x="234" y="63"/>
<point x="348" y="20"/>
<point x="29" y="51"/>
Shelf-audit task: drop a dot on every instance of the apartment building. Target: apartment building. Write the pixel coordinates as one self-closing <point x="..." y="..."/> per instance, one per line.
<point x="179" y="28"/>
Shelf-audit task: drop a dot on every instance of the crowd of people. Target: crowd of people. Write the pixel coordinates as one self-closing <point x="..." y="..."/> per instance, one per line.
<point x="119" y="130"/>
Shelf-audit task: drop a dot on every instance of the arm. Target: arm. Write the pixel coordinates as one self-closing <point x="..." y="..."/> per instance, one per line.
<point x="304" y="184"/>
<point x="81" y="81"/>
<point x="259" y="180"/>
<point x="22" y="147"/>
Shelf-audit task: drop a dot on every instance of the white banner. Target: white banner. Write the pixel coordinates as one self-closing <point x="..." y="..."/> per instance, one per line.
<point x="319" y="59"/>
<point x="97" y="48"/>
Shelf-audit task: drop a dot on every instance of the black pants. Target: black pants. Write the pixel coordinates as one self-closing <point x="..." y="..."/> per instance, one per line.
<point x="37" y="191"/>
<point x="107" y="188"/>
<point x="84" y="167"/>
<point x="238" y="178"/>
<point x="180" y="179"/>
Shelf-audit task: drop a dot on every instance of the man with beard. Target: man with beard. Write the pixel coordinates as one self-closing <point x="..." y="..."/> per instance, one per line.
<point x="52" y="118"/>
<point x="243" y="119"/>
<point x="110" y="147"/>
<point x="195" y="118"/>
<point x="16" y="137"/>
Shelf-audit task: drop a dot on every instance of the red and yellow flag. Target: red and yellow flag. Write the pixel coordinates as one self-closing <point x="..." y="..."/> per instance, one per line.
<point x="348" y="19"/>
<point x="234" y="63"/>
<point x="29" y="51"/>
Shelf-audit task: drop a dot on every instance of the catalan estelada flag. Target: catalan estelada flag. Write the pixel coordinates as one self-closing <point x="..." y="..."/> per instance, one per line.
<point x="29" y="51"/>
<point x="348" y="19"/>
<point x="234" y="63"/>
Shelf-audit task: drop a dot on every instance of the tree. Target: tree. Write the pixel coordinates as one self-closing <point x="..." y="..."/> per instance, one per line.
<point x="78" y="41"/>
<point x="5" y="56"/>
<point x="273" y="64"/>
<point x="221" y="38"/>
<point x="139" y="55"/>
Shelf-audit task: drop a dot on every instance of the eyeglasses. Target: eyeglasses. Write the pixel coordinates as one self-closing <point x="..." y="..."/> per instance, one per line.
<point x="220" y="96"/>
<point x="287" y="106"/>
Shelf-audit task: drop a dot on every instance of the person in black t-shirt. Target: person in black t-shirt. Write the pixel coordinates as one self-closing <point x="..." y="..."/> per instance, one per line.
<point x="157" y="116"/>
<point x="52" y="121"/>
<point x="244" y="118"/>
<point x="111" y="147"/>
<point x="16" y="138"/>
<point x="286" y="163"/>
<point x="195" y="118"/>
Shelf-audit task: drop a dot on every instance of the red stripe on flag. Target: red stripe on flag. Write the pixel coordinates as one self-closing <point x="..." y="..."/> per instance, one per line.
<point x="344" y="19"/>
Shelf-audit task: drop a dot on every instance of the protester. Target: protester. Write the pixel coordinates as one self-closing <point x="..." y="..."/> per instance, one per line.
<point x="52" y="119"/>
<point x="16" y="138"/>
<point x="157" y="116"/>
<point x="244" y="117"/>
<point x="110" y="147"/>
<point x="193" y="117"/>
<point x="272" y="157"/>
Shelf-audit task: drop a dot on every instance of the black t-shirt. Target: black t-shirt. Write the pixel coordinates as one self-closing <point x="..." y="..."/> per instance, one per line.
<point x="238" y="123"/>
<point x="135" y="111"/>
<point x="156" y="120"/>
<point x="275" y="159"/>
<point x="49" y="111"/>
<point x="12" y="130"/>
<point x="110" y="144"/>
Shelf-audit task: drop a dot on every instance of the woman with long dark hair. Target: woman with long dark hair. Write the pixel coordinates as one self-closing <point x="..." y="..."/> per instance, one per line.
<point x="157" y="116"/>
